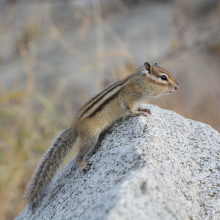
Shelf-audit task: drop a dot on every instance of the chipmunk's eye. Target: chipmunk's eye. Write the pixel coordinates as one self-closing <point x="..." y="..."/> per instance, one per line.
<point x="164" y="77"/>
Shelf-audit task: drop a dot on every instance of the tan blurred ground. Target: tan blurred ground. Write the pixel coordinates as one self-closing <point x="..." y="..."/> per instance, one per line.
<point x="55" y="56"/>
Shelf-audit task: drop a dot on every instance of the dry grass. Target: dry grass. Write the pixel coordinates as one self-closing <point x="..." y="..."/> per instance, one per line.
<point x="30" y="118"/>
<point x="25" y="136"/>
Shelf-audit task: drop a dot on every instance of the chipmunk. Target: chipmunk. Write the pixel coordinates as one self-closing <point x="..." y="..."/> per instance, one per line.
<point x="120" y="99"/>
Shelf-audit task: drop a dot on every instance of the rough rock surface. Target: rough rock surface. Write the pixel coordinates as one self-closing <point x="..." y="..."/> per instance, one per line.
<point x="160" y="167"/>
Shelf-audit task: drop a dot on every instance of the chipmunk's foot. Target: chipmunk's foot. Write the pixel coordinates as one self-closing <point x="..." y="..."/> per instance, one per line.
<point x="87" y="168"/>
<point x="139" y="114"/>
<point x="140" y="111"/>
<point x="144" y="110"/>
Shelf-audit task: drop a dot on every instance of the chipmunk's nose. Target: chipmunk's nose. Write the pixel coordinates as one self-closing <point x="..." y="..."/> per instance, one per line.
<point x="176" y="87"/>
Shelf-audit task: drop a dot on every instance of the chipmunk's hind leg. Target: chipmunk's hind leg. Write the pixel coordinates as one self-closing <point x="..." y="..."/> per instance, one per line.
<point x="86" y="145"/>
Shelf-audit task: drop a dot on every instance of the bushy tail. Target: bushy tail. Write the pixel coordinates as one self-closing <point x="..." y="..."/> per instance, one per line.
<point x="49" y="165"/>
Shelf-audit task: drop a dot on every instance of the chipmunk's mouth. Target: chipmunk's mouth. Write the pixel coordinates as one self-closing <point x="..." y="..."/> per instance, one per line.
<point x="172" y="90"/>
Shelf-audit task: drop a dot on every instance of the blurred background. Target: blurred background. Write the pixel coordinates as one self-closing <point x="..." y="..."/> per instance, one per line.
<point x="55" y="55"/>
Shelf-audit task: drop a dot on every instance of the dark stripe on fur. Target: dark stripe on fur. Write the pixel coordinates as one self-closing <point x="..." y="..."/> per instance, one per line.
<point x="109" y="89"/>
<point x="103" y="104"/>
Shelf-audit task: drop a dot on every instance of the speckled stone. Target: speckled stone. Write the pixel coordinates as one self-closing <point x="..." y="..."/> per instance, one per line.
<point x="162" y="166"/>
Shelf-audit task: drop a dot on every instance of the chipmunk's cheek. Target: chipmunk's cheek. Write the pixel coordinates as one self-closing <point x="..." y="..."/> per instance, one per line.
<point x="167" y="90"/>
<point x="163" y="91"/>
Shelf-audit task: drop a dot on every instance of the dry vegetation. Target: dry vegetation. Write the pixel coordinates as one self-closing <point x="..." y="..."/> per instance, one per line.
<point x="30" y="116"/>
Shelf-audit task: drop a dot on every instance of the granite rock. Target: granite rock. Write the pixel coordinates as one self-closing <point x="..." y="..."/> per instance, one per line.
<point x="163" y="166"/>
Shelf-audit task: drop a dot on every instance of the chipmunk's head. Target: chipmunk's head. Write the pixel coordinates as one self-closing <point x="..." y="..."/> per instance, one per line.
<point x="160" y="80"/>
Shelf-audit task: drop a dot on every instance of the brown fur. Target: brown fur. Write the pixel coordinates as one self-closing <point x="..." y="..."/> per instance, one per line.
<point x="118" y="100"/>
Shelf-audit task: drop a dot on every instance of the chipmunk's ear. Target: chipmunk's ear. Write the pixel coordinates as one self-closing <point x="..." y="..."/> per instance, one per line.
<point x="148" y="67"/>
<point x="156" y="64"/>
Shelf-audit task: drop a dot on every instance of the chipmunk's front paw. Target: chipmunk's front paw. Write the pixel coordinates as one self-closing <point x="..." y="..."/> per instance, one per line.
<point x="144" y="110"/>
<point x="87" y="168"/>
<point x="139" y="114"/>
